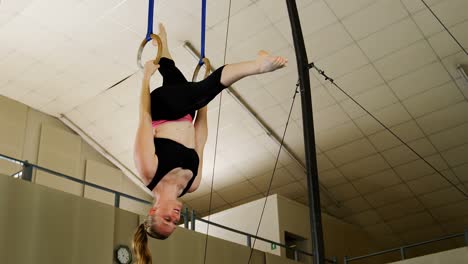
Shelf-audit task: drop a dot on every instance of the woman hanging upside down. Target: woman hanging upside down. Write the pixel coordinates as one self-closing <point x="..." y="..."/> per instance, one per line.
<point x="168" y="146"/>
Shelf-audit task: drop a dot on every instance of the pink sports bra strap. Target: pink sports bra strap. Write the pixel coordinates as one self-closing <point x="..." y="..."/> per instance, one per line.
<point x="156" y="123"/>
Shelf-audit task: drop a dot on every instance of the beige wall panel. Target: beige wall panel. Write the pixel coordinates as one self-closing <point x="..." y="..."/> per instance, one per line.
<point x="230" y="253"/>
<point x="93" y="232"/>
<point x="454" y="256"/>
<point x="293" y="218"/>
<point x="89" y="153"/>
<point x="340" y="238"/>
<point x="183" y="246"/>
<point x="236" y="218"/>
<point x="60" y="151"/>
<point x="59" y="183"/>
<point x="9" y="168"/>
<point x="103" y="175"/>
<point x="4" y="187"/>
<point x="272" y="259"/>
<point x="13" y="118"/>
<point x="99" y="195"/>
<point x="186" y="246"/>
<point x="134" y="206"/>
<point x="37" y="119"/>
<point x="22" y="217"/>
<point x="130" y="188"/>
<point x="125" y="225"/>
<point x="45" y="226"/>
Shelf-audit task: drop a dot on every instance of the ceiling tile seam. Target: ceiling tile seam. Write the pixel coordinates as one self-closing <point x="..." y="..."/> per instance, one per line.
<point x="447" y="129"/>
<point x="367" y="137"/>
<point x="359" y="193"/>
<point x="453" y="79"/>
<point x="387" y="83"/>
<point x="385" y="169"/>
<point x="436" y="54"/>
<point x="417" y="197"/>
<point x="412" y="96"/>
<point x="402" y="19"/>
<point x="354" y="12"/>
<point x="371" y="33"/>
<point x="339" y="76"/>
<point x="231" y="16"/>
<point x="397" y="146"/>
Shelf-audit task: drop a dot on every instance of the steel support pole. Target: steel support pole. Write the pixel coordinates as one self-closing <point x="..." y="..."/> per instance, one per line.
<point x="309" y="135"/>
<point x="27" y="171"/>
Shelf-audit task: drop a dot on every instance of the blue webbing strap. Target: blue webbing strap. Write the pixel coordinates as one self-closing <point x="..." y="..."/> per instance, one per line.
<point x="150" y="20"/>
<point x="203" y="26"/>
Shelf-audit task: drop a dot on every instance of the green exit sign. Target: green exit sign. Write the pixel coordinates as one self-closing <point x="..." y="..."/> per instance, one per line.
<point x="273" y="246"/>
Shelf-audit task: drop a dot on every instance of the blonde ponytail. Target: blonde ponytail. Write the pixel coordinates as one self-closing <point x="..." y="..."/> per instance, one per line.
<point x="140" y="246"/>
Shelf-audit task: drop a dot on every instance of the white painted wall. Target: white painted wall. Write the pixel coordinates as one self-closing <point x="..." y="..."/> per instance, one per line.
<point x="246" y="218"/>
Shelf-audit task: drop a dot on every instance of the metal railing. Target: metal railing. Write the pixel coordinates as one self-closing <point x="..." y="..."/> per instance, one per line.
<point x="27" y="172"/>
<point x="403" y="248"/>
<point x="191" y="217"/>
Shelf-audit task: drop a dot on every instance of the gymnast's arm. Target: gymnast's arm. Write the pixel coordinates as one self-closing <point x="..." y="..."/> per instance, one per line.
<point x="201" y="134"/>
<point x="145" y="158"/>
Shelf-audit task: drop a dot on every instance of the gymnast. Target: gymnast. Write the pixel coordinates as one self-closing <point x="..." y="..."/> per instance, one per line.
<point x="169" y="146"/>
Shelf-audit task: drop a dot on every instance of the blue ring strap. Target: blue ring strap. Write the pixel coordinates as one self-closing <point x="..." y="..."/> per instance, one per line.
<point x="150" y="20"/>
<point x="203" y="26"/>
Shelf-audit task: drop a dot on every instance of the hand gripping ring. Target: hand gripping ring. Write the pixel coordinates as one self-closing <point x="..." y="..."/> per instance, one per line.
<point x="207" y="63"/>
<point x="142" y="46"/>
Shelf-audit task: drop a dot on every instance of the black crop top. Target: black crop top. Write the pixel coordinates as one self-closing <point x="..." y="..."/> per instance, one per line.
<point x="171" y="155"/>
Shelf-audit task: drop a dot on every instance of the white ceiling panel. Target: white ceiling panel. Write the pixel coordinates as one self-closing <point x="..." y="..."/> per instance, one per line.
<point x="427" y="77"/>
<point x="346" y="8"/>
<point x="405" y="60"/>
<point x="423" y="147"/>
<point x="364" y="167"/>
<point x="377" y="16"/>
<point x="377" y="182"/>
<point x="433" y="100"/>
<point x="384" y="42"/>
<point x="327" y="41"/>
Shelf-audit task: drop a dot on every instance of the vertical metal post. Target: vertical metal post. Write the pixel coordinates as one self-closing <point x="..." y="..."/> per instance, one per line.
<point x="249" y="241"/>
<point x="309" y="137"/>
<point x="186" y="215"/>
<point x="27" y="171"/>
<point x="345" y="260"/>
<point x="402" y="252"/>
<point x="296" y="255"/>
<point x="117" y="200"/>
<point x="192" y="220"/>
<point x="466" y="237"/>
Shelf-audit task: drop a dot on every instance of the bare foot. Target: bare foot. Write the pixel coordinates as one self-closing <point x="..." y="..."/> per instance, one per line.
<point x="267" y="63"/>
<point x="162" y="35"/>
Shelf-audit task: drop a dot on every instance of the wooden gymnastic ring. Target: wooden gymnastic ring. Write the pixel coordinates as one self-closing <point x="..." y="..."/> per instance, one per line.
<point x="142" y="46"/>
<point x="207" y="64"/>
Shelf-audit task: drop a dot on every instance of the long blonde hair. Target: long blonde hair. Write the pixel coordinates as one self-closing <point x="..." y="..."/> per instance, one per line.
<point x="140" y="246"/>
<point x="140" y="242"/>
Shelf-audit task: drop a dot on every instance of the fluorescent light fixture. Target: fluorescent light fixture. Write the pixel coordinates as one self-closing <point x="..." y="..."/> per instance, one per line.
<point x="463" y="69"/>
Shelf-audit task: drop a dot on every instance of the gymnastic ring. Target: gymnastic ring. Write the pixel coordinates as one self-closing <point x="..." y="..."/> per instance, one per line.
<point x="207" y="64"/>
<point x="142" y="46"/>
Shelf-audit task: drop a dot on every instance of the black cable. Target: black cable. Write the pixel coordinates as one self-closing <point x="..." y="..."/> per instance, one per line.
<point x="274" y="169"/>
<point x="448" y="31"/>
<point x="216" y="141"/>
<point x="321" y="72"/>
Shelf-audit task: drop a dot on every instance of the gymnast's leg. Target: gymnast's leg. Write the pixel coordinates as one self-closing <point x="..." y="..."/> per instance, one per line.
<point x="264" y="63"/>
<point x="170" y="73"/>
<point x="182" y="101"/>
